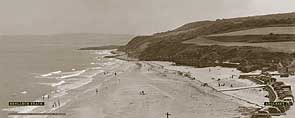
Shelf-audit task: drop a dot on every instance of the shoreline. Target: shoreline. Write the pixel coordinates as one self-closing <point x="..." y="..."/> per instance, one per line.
<point x="63" y="85"/>
<point x="189" y="96"/>
<point x="156" y="74"/>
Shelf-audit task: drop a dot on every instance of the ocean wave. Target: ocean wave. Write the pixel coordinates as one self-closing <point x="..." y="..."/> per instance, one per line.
<point x="96" y="68"/>
<point x="46" y="75"/>
<point x="24" y="92"/>
<point x="109" y="63"/>
<point x="56" y="72"/>
<point x="75" y="84"/>
<point x="77" y="79"/>
<point x="83" y="79"/>
<point x="50" y="74"/>
<point x="57" y="84"/>
<point x="74" y="74"/>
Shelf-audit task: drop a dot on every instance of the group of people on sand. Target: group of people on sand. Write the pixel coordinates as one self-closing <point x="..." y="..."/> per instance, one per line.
<point x="56" y="104"/>
<point x="222" y="84"/>
<point x="45" y="96"/>
<point x="105" y="73"/>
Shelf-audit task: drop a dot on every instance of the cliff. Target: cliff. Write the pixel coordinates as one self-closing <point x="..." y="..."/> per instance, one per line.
<point x="169" y="46"/>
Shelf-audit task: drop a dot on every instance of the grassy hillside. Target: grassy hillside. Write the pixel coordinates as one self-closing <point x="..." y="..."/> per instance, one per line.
<point x="169" y="45"/>
<point x="257" y="35"/>
<point x="285" y="46"/>
<point x="261" y="31"/>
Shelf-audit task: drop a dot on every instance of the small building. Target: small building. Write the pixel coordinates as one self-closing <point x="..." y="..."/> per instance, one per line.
<point x="284" y="75"/>
<point x="286" y="87"/>
<point x="266" y="79"/>
<point x="269" y="80"/>
<point x="282" y="94"/>
<point x="289" y="99"/>
<point x="276" y="84"/>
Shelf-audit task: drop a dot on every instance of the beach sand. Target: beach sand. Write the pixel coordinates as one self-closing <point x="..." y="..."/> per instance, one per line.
<point x="119" y="96"/>
<point x="227" y="76"/>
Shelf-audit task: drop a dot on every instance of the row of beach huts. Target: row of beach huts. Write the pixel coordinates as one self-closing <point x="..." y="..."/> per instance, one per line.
<point x="280" y="94"/>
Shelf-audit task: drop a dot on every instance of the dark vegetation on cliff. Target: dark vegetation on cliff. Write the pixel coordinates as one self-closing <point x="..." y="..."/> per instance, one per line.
<point x="168" y="46"/>
<point x="255" y="38"/>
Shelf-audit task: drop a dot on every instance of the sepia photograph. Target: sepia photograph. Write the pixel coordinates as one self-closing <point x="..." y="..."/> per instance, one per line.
<point x="147" y="58"/>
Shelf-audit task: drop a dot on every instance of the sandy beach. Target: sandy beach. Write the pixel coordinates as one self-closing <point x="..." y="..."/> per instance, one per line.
<point x="119" y="97"/>
<point x="221" y="78"/>
<point x="165" y="92"/>
<point x="112" y="90"/>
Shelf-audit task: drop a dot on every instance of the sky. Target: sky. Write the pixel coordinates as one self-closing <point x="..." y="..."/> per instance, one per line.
<point x="123" y="16"/>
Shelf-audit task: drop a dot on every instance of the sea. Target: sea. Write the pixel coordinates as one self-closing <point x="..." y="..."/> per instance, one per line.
<point x="34" y="66"/>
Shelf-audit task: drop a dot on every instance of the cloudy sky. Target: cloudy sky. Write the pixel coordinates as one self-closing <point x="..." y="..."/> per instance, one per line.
<point x="123" y="16"/>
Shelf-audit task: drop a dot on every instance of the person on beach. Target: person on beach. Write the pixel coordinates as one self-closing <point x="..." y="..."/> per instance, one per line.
<point x="58" y="102"/>
<point x="96" y="90"/>
<point x="54" y="104"/>
<point x="141" y="93"/>
<point x="204" y="84"/>
<point x="115" y="74"/>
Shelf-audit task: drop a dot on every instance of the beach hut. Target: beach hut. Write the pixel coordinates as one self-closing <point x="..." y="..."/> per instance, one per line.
<point x="284" y="75"/>
<point x="276" y="84"/>
<point x="286" y="87"/>
<point x="289" y="99"/>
